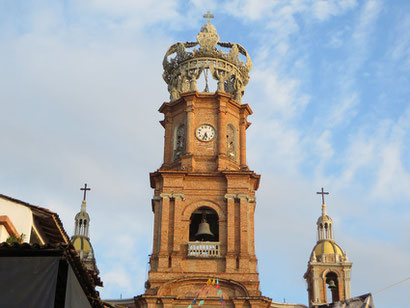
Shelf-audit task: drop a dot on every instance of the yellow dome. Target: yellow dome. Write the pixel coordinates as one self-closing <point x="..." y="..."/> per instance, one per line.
<point x="327" y="247"/>
<point x="81" y="243"/>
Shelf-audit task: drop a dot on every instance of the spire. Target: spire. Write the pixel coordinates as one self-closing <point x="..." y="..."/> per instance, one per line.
<point x="323" y="193"/>
<point x="324" y="223"/>
<point x="324" y="210"/>
<point x="82" y="219"/>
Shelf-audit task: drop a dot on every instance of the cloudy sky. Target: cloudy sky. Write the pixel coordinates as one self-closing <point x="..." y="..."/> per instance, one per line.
<point x="80" y="86"/>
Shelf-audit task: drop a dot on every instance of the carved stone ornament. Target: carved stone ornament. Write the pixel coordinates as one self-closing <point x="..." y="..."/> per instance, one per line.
<point x="183" y="67"/>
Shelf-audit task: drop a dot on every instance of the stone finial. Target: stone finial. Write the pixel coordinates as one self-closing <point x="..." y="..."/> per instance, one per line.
<point x="313" y="257"/>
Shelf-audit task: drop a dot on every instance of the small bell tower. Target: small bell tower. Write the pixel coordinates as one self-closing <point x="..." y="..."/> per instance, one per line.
<point x="328" y="273"/>
<point x="80" y="239"/>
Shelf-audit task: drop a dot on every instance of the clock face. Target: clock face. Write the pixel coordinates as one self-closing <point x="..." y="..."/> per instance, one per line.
<point x="205" y="132"/>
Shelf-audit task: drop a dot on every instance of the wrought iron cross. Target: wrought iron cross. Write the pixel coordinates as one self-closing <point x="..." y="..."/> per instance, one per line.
<point x="323" y="193"/>
<point x="85" y="190"/>
<point x="208" y="16"/>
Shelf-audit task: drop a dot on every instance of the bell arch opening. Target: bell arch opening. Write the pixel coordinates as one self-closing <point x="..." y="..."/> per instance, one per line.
<point x="332" y="283"/>
<point x="204" y="225"/>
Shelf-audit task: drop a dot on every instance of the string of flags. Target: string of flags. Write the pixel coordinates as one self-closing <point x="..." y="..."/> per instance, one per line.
<point x="205" y="290"/>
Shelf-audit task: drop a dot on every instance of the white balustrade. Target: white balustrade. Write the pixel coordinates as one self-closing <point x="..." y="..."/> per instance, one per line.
<point x="203" y="249"/>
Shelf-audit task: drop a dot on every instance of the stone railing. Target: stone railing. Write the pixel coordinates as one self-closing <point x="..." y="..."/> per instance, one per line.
<point x="203" y="249"/>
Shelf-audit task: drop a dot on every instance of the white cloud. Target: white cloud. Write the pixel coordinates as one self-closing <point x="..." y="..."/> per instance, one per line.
<point x="400" y="49"/>
<point x="119" y="278"/>
<point x="342" y="112"/>
<point x="324" y="9"/>
<point x="285" y="99"/>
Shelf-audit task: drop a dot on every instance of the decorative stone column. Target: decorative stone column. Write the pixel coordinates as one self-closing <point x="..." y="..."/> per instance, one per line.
<point x="177" y="252"/>
<point x="347" y="282"/>
<point x="168" y="149"/>
<point x="242" y="141"/>
<point x="156" y="207"/>
<point x="164" y="231"/>
<point x="190" y="126"/>
<point x="244" y="239"/>
<point x="230" y="233"/>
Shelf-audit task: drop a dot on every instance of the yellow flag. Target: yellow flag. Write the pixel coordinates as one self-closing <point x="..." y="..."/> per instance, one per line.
<point x="213" y="282"/>
<point x="208" y="282"/>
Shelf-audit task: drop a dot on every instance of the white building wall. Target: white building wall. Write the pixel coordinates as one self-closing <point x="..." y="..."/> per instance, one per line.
<point x="4" y="235"/>
<point x="20" y="215"/>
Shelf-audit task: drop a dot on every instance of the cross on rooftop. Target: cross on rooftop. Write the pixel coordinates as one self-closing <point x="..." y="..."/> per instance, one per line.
<point x="323" y="193"/>
<point x="208" y="16"/>
<point x="85" y="190"/>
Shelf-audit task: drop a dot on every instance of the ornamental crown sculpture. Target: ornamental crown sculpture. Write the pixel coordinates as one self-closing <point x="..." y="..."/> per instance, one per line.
<point x="182" y="67"/>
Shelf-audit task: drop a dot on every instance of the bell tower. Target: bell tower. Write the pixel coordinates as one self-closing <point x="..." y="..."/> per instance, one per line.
<point x="204" y="192"/>
<point x="328" y="273"/>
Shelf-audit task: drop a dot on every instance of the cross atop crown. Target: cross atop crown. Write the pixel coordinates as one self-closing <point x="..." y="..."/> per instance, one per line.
<point x="208" y="17"/>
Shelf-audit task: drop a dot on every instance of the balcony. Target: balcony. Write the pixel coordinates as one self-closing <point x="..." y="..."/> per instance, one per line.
<point x="203" y="249"/>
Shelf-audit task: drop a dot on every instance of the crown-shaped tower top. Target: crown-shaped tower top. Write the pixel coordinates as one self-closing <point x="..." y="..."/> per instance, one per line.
<point x="183" y="64"/>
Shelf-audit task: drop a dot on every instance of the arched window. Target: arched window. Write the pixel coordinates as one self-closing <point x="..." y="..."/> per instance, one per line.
<point x="204" y="225"/>
<point x="332" y="287"/>
<point x="179" y="141"/>
<point x="230" y="142"/>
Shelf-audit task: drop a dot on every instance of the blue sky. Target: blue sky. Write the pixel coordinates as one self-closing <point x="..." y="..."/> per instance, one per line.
<point x="81" y="83"/>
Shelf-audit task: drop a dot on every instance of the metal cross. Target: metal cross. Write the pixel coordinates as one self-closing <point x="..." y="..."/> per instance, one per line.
<point x="208" y="16"/>
<point x="85" y="190"/>
<point x="323" y="193"/>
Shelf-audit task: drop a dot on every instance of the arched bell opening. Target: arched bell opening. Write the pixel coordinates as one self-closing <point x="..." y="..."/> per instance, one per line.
<point x="332" y="284"/>
<point x="204" y="225"/>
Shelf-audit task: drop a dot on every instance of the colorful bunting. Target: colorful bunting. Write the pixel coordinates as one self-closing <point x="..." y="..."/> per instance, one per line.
<point x="211" y="282"/>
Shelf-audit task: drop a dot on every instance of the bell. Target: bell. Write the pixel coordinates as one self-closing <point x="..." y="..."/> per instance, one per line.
<point x="332" y="285"/>
<point x="204" y="232"/>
